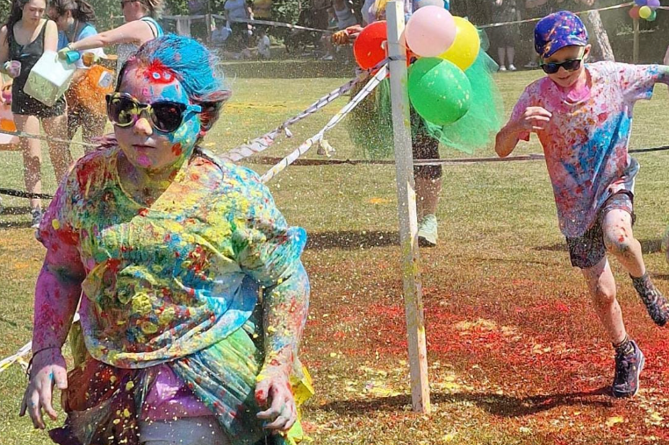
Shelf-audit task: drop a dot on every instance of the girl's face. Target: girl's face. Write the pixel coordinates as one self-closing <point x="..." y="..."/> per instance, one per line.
<point x="143" y="145"/>
<point x="562" y="77"/>
<point x="33" y="11"/>
<point x="63" y="22"/>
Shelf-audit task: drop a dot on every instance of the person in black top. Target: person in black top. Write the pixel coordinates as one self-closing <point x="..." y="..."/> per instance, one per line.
<point x="505" y="37"/>
<point x="23" y="40"/>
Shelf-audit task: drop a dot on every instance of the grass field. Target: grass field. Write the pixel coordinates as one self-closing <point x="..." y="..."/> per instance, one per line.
<point x="516" y="355"/>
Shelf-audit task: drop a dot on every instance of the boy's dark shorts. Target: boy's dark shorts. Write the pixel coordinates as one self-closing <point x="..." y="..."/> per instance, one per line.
<point x="587" y="250"/>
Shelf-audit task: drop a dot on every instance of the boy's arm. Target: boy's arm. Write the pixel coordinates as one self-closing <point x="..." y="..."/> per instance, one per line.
<point x="523" y="121"/>
<point x="638" y="81"/>
<point x="507" y="138"/>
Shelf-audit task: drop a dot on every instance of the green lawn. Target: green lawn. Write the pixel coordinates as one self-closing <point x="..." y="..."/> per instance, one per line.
<point x="515" y="352"/>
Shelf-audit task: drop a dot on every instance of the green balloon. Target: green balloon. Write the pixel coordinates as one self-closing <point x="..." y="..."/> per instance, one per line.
<point x="439" y="91"/>
<point x="653" y="16"/>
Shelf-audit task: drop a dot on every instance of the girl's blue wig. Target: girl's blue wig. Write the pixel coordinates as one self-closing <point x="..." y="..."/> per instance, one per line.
<point x="194" y="67"/>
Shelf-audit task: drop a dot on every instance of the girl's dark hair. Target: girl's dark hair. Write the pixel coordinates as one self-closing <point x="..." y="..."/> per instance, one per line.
<point x="82" y="11"/>
<point x="15" y="15"/>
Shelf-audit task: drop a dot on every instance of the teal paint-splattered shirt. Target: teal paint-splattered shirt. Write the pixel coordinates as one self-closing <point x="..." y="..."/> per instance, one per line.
<point x="168" y="280"/>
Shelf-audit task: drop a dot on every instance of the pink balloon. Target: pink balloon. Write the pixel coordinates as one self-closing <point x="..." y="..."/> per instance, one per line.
<point x="431" y="31"/>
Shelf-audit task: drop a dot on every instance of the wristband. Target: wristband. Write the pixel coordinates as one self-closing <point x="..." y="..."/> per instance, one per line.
<point x="30" y="363"/>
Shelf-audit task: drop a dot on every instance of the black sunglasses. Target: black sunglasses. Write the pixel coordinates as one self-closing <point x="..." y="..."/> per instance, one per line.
<point x="568" y="65"/>
<point x="165" y="116"/>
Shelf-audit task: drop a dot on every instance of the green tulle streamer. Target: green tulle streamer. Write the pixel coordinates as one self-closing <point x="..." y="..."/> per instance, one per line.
<point x="370" y="124"/>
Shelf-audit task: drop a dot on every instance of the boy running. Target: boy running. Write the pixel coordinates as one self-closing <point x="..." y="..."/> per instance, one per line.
<point x="582" y="115"/>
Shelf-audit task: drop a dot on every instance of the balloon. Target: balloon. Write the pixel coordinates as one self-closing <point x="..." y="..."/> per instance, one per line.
<point x="430" y="31"/>
<point x="370" y="48"/>
<point x="466" y="46"/>
<point x="645" y="12"/>
<point x="403" y="43"/>
<point x="640" y="2"/>
<point x="439" y="91"/>
<point x="653" y="4"/>
<point x="653" y="16"/>
<point x="634" y="13"/>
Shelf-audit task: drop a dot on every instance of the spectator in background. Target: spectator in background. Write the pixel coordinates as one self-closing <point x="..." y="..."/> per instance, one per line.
<point x="263" y="44"/>
<point x="533" y="9"/>
<point x="74" y="19"/>
<point x="23" y="40"/>
<point x="140" y="26"/>
<point x="345" y="14"/>
<point x="507" y="35"/>
<point x="239" y="37"/>
<point x="326" y="41"/>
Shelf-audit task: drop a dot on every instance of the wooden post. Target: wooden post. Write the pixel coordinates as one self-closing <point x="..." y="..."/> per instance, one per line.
<point x="406" y="200"/>
<point x="635" y="51"/>
<point x="207" y="21"/>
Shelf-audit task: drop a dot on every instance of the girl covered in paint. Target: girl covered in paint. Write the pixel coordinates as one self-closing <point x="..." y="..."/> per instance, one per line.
<point x="193" y="295"/>
<point x="140" y="26"/>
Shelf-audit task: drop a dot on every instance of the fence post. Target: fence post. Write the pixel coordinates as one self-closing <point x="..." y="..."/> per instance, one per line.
<point x="635" y="50"/>
<point x="406" y="203"/>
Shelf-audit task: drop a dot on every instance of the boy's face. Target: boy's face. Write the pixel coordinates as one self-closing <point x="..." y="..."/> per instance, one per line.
<point x="562" y="77"/>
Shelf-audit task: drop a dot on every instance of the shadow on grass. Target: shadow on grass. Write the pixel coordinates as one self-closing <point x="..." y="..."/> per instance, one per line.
<point x="647" y="246"/>
<point x="15" y="225"/>
<point x="495" y="404"/>
<point x="511" y="260"/>
<point x="348" y="239"/>
<point x="15" y="210"/>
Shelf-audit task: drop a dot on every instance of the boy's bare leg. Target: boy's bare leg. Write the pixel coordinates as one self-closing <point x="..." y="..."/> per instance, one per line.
<point x="602" y="287"/>
<point x="620" y="242"/>
<point x="629" y="358"/>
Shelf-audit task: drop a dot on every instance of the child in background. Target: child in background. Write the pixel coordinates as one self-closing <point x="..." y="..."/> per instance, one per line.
<point x="263" y="44"/>
<point x="583" y="115"/>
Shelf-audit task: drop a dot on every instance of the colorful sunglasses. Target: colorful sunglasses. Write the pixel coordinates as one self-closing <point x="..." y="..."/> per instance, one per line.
<point x="165" y="116"/>
<point x="568" y="65"/>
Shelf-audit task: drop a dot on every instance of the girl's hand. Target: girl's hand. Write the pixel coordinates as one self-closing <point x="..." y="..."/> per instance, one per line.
<point x="274" y="387"/>
<point x="48" y="369"/>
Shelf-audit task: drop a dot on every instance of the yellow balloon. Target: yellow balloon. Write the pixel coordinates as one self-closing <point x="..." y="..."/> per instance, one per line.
<point x="466" y="46"/>
<point x="645" y="12"/>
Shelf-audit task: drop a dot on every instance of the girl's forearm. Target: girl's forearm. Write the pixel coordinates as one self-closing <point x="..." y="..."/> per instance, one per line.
<point x="56" y="299"/>
<point x="285" y="315"/>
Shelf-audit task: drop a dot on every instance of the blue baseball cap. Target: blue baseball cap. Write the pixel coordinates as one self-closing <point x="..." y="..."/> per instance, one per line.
<point x="557" y="30"/>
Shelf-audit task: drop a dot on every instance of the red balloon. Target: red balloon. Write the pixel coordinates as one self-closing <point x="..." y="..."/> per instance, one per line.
<point x="634" y="12"/>
<point x="370" y="48"/>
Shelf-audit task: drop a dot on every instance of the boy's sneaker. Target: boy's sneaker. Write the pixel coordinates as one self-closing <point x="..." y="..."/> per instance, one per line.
<point x="628" y="368"/>
<point x="512" y="67"/>
<point x="427" y="231"/>
<point x="656" y="304"/>
<point x="36" y="215"/>
<point x="502" y="68"/>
